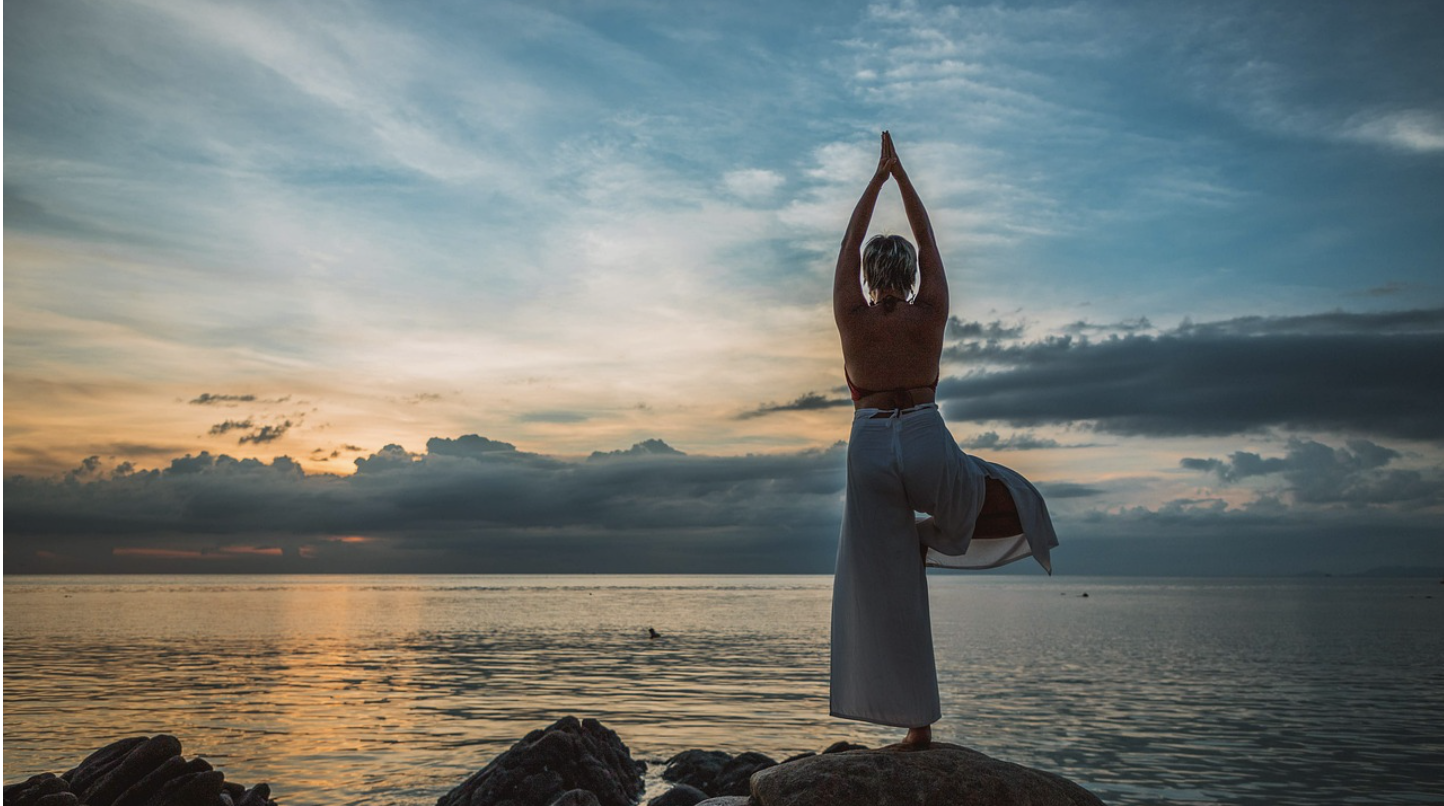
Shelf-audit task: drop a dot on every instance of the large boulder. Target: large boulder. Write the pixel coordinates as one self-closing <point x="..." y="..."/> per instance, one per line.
<point x="943" y="775"/>
<point x="570" y="754"/>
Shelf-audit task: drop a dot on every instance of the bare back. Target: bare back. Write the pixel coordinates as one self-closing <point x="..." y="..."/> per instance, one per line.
<point x="892" y="346"/>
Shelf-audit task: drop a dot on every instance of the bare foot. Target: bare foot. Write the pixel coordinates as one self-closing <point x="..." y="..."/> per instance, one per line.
<point x="918" y="738"/>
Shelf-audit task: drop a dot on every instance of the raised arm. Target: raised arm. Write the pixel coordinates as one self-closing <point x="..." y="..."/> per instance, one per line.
<point x="932" y="281"/>
<point x="846" y="289"/>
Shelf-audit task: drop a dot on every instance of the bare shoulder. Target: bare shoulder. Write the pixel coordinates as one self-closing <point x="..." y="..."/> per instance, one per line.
<point x="931" y="309"/>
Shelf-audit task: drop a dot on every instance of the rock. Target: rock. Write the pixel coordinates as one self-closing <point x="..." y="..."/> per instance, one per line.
<point x="13" y="792"/>
<point x="96" y="764"/>
<point x="734" y="777"/>
<point x="679" y="795"/>
<point x="259" y="795"/>
<point x="569" y="754"/>
<point x="86" y="768"/>
<point x="199" y="789"/>
<point x="136" y="771"/>
<point x="798" y="757"/>
<point x="144" y="759"/>
<point x="140" y="792"/>
<point x="696" y="767"/>
<point x="180" y="776"/>
<point x="575" y="797"/>
<point x="839" y="747"/>
<point x="889" y="776"/>
<point x="727" y="800"/>
<point x="34" y="788"/>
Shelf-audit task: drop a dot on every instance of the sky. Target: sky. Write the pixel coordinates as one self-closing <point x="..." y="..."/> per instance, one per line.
<point x="495" y="287"/>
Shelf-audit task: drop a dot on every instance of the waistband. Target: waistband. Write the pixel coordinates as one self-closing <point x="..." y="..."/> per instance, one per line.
<point x="878" y="414"/>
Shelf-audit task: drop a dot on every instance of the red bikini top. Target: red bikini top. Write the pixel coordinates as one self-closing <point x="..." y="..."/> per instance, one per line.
<point x="858" y="393"/>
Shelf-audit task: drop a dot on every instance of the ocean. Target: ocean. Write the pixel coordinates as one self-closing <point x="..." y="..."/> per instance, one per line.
<point x="393" y="689"/>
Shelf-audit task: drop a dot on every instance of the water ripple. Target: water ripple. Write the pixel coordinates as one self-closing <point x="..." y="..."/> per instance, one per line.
<point x="393" y="689"/>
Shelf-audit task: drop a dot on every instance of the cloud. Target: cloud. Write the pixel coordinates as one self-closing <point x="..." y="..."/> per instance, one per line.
<point x="229" y="425"/>
<point x="1057" y="490"/>
<point x="1418" y="130"/>
<point x="752" y="184"/>
<point x="644" y="449"/>
<point x="1366" y="373"/>
<point x="1126" y="326"/>
<point x="466" y="503"/>
<point x="208" y="399"/>
<point x="1316" y="473"/>
<point x="809" y="401"/>
<point x="267" y="433"/>
<point x="1026" y="441"/>
<point x="469" y="446"/>
<point x="959" y="330"/>
<point x="470" y="504"/>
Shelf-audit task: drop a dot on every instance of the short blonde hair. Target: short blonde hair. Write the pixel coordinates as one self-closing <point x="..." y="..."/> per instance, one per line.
<point x="889" y="262"/>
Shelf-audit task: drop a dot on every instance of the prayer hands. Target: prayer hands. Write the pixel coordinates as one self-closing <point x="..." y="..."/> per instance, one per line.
<point x="888" y="163"/>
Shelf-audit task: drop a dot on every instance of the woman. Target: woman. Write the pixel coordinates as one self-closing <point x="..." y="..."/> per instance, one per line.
<point x="901" y="460"/>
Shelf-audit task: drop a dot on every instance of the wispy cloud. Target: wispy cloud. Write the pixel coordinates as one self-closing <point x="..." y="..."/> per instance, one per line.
<point x="1420" y="130"/>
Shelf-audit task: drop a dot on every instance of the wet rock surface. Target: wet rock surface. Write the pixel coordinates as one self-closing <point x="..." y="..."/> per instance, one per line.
<point x="137" y="771"/>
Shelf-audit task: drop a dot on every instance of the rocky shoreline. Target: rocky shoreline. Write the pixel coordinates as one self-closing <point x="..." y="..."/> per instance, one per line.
<point x="580" y="762"/>
<point x="138" y="771"/>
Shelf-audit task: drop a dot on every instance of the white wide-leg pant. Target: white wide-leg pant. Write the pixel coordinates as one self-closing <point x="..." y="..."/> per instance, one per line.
<point x="882" y="643"/>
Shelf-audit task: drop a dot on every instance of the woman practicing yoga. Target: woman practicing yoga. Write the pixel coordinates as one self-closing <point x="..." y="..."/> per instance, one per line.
<point x="901" y="460"/>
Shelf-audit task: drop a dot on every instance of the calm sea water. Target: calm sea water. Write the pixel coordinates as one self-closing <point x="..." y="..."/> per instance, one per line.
<point x="393" y="689"/>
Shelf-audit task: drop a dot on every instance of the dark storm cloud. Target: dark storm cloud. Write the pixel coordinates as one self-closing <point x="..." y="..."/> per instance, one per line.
<point x="1316" y="473"/>
<point x="810" y="401"/>
<point x="475" y="505"/>
<point x="468" y="503"/>
<point x="1380" y="373"/>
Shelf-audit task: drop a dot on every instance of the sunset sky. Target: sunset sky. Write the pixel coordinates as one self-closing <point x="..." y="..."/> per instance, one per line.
<point x="495" y="287"/>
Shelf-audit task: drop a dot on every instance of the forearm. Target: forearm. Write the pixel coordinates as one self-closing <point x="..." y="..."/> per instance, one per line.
<point x="862" y="213"/>
<point x="932" y="280"/>
<point x="917" y="214"/>
<point x="846" y="292"/>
